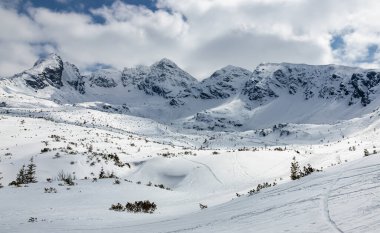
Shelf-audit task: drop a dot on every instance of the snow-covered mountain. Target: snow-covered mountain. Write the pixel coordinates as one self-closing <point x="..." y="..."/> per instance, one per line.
<point x="45" y="72"/>
<point x="163" y="78"/>
<point x="325" y="82"/>
<point x="271" y="94"/>
<point x="224" y="83"/>
<point x="156" y="133"/>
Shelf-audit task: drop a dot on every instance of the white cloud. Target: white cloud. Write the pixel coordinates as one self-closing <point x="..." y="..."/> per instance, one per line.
<point x="199" y="35"/>
<point x="17" y="35"/>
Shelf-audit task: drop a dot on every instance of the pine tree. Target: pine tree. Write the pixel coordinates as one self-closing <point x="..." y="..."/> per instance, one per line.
<point x="31" y="172"/>
<point x="102" y="174"/>
<point x="366" y="153"/>
<point x="308" y="170"/>
<point x="295" y="172"/>
<point x="21" y="178"/>
<point x="90" y="148"/>
<point x="1" y="185"/>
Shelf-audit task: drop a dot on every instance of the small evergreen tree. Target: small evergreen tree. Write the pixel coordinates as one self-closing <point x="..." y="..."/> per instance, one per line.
<point x="308" y="170"/>
<point x="90" y="148"/>
<point x="31" y="172"/>
<point x="21" y="178"/>
<point x="1" y="185"/>
<point x="102" y="174"/>
<point x="295" y="172"/>
<point x="366" y="153"/>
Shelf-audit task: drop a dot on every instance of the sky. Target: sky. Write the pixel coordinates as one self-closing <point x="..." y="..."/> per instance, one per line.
<point x="201" y="36"/>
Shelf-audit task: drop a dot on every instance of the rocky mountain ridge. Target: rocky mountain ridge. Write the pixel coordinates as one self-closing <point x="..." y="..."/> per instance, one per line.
<point x="232" y="98"/>
<point x="165" y="79"/>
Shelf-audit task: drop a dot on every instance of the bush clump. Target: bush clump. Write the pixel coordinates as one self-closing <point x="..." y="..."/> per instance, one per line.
<point x="136" y="207"/>
<point x="202" y="206"/>
<point x="44" y="150"/>
<point x="105" y="175"/>
<point x="296" y="173"/>
<point x="67" y="178"/>
<point x="117" y="207"/>
<point x="141" y="206"/>
<point x="261" y="186"/>
<point x="50" y="190"/>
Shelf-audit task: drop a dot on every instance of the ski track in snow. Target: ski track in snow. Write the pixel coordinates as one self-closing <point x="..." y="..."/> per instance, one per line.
<point x="325" y="204"/>
<point x="327" y="194"/>
<point x="207" y="167"/>
<point x="208" y="220"/>
<point x="243" y="169"/>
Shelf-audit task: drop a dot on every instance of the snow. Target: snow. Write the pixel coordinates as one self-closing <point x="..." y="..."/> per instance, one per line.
<point x="203" y="151"/>
<point x="200" y="177"/>
<point x="340" y="199"/>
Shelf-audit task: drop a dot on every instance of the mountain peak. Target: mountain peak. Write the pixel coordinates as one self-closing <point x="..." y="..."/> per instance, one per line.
<point x="163" y="78"/>
<point x="50" y="60"/>
<point x="46" y="71"/>
<point x="165" y="63"/>
<point x="224" y="83"/>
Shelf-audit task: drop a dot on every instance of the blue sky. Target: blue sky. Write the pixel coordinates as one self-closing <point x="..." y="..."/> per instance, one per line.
<point x="81" y="5"/>
<point x="199" y="35"/>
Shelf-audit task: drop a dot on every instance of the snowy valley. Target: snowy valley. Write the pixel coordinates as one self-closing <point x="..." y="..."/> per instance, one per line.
<point x="213" y="155"/>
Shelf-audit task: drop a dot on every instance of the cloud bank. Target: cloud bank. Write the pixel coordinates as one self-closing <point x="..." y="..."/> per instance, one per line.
<point x="199" y="35"/>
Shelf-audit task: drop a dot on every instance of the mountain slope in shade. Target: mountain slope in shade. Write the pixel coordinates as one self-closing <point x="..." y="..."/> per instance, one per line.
<point x="47" y="71"/>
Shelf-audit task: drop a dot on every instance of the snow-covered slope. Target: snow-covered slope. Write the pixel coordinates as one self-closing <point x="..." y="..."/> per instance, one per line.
<point x="342" y="198"/>
<point x="291" y="93"/>
<point x="180" y="142"/>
